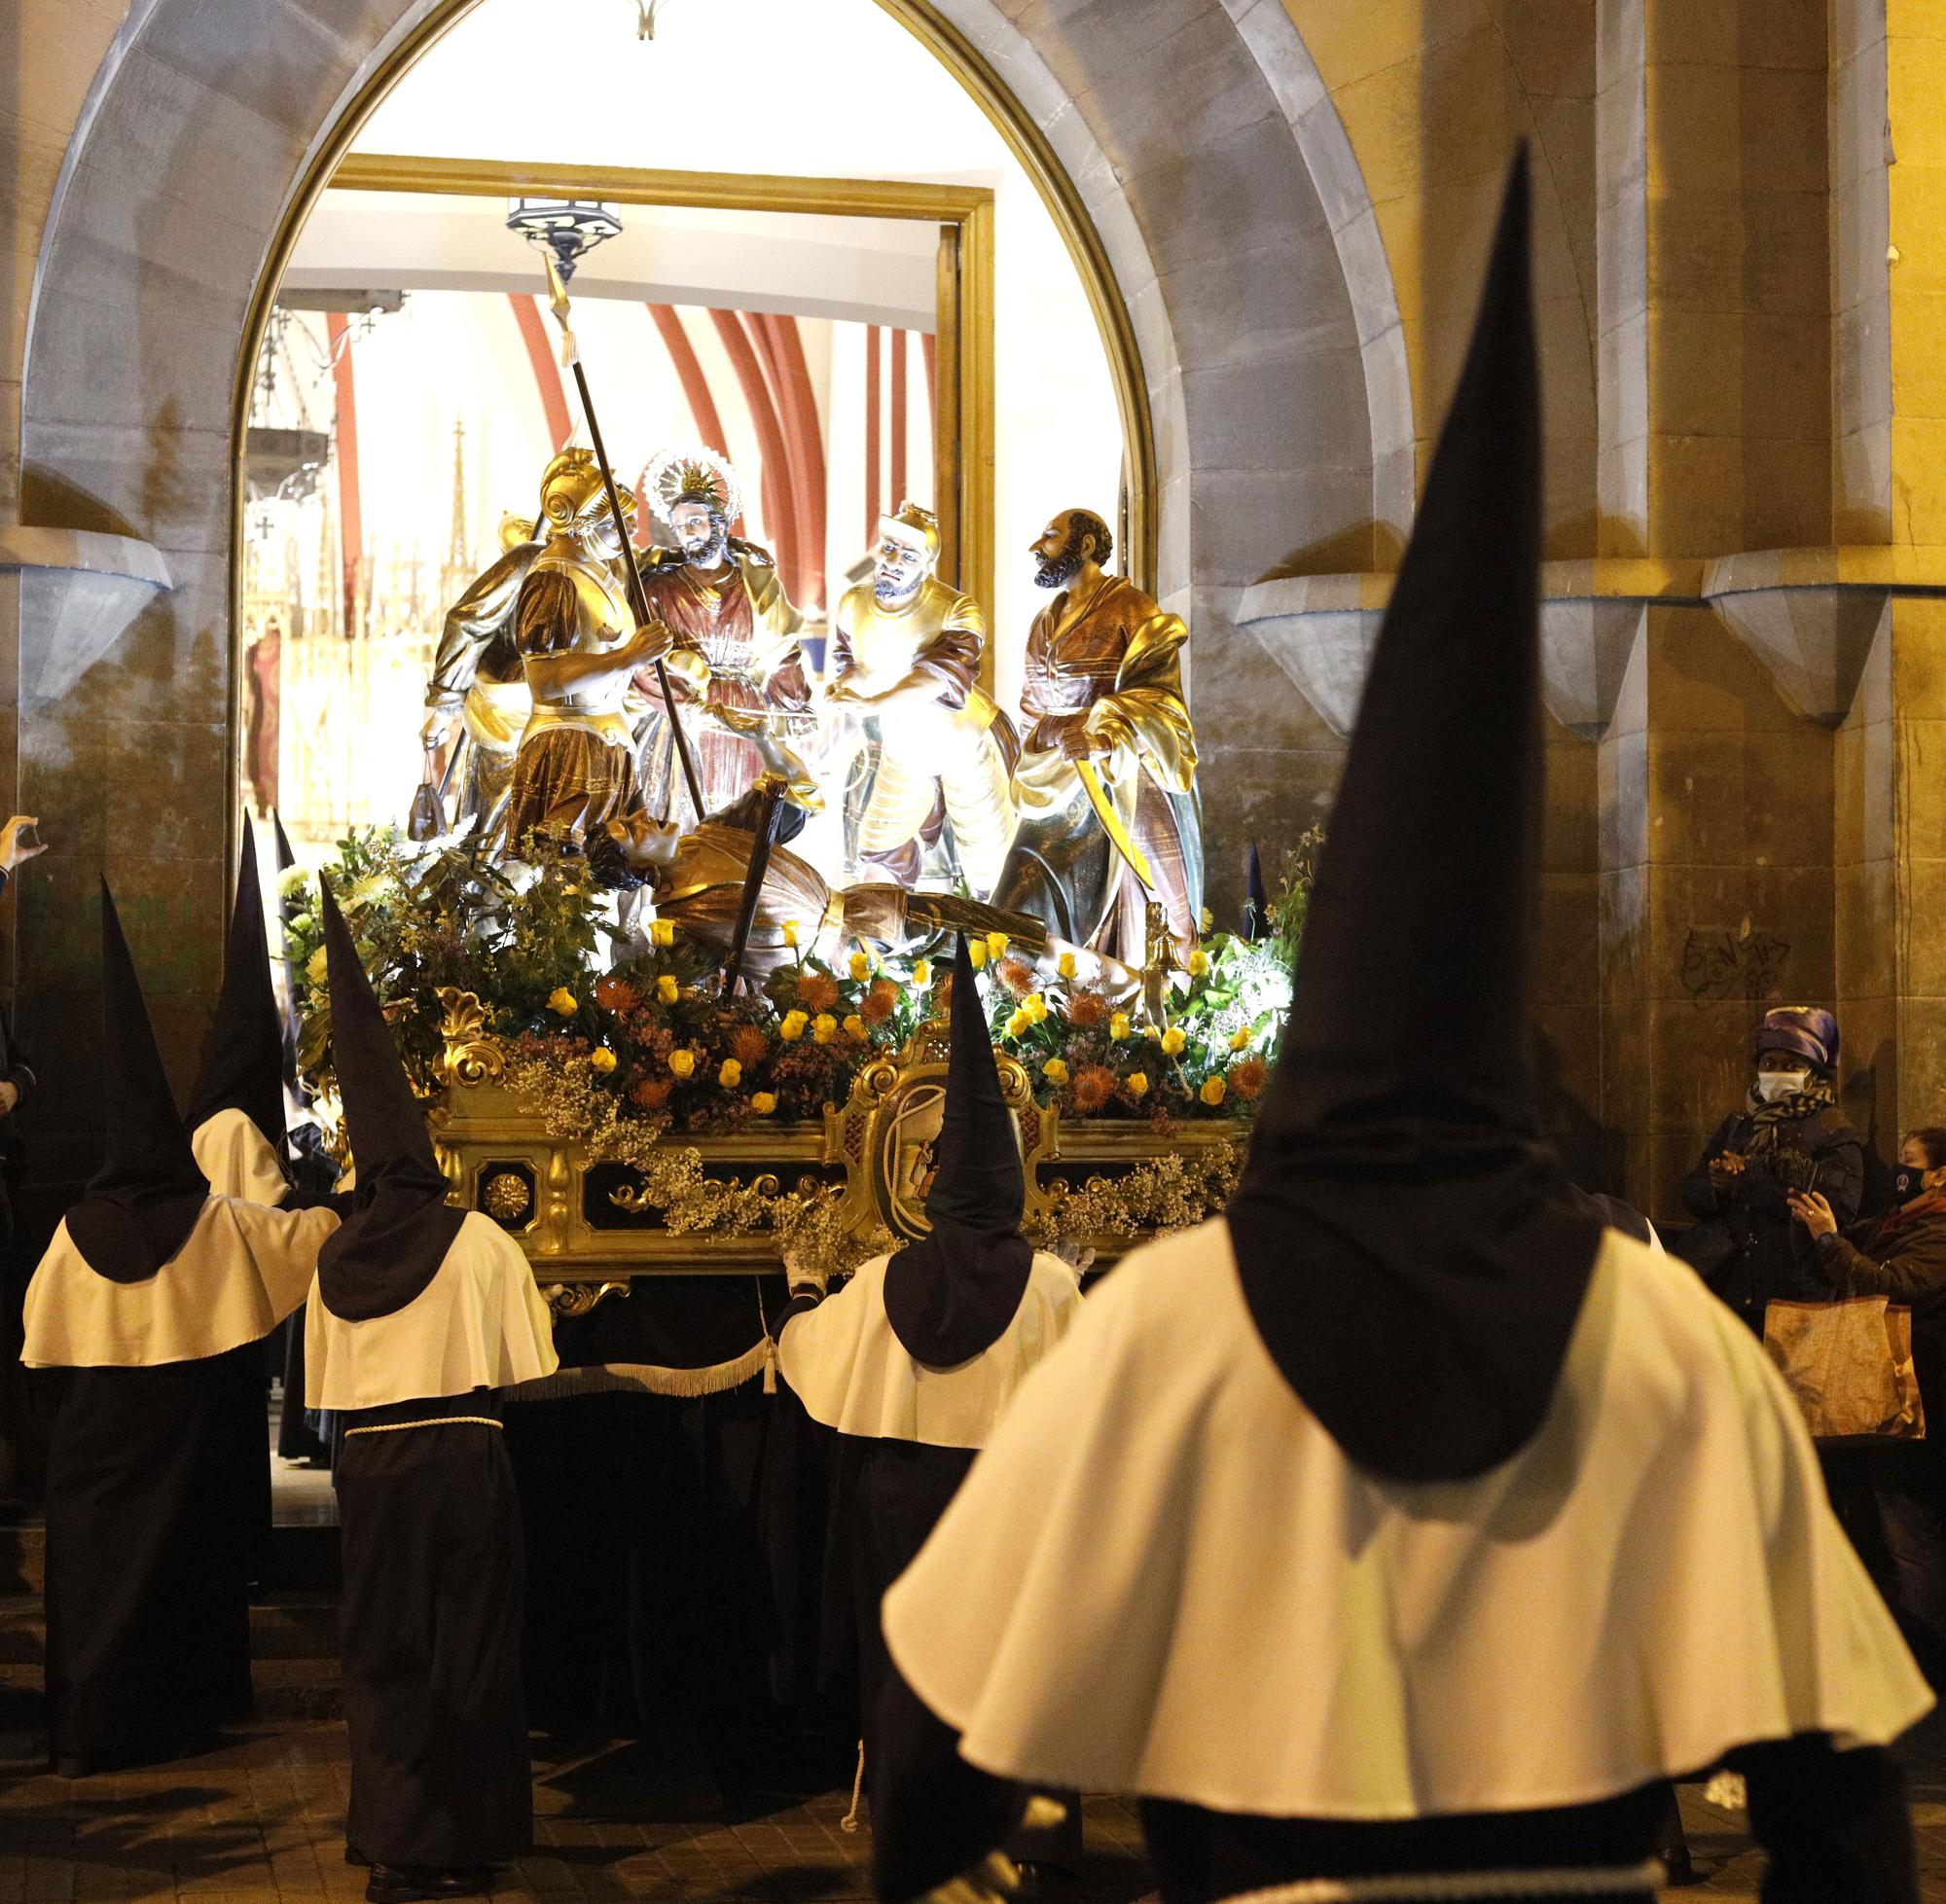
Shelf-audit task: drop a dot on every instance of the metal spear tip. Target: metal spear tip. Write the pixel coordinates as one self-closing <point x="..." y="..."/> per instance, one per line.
<point x="556" y="287"/>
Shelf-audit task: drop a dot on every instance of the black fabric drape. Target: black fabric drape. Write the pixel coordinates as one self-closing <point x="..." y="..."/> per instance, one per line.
<point x="433" y="1581"/>
<point x="148" y="1616"/>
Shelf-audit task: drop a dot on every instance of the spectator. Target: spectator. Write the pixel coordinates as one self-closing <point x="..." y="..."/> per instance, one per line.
<point x="1892" y="1498"/>
<point x="1789" y="1135"/>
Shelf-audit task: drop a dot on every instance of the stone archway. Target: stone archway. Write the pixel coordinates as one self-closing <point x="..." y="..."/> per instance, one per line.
<point x="1273" y="364"/>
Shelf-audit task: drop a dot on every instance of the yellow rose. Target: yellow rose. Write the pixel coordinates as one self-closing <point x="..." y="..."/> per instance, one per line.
<point x="1119" y="1026"/>
<point x="790" y="932"/>
<point x="1139" y="1084"/>
<point x="666" y="988"/>
<point x="662" y="932"/>
<point x="1172" y="1041"/>
<point x="976" y="953"/>
<point x="1212" y="1092"/>
<point x="683" y="1062"/>
<point x="1199" y="962"/>
<point x="1240" y="1039"/>
<point x="1034" y="1004"/>
<point x="922" y="974"/>
<point x="729" y="1075"/>
<point x="563" y="1001"/>
<point x="762" y="1102"/>
<point x="1055" y="1071"/>
<point x="792" y="1029"/>
<point x="823" y="1029"/>
<point x="1065" y="965"/>
<point x="315" y="968"/>
<point x="602" y="1059"/>
<point x="1018" y="1023"/>
<point x="997" y="944"/>
<point x="855" y="1027"/>
<point x="861" y="965"/>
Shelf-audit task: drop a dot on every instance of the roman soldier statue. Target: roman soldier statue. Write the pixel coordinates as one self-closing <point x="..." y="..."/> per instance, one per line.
<point x="1107" y="783"/>
<point x="735" y="633"/>
<point x="906" y="654"/>
<point x="576" y="764"/>
<point x="478" y="675"/>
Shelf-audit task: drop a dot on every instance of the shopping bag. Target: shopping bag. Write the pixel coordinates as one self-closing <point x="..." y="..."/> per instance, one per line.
<point x="1849" y="1366"/>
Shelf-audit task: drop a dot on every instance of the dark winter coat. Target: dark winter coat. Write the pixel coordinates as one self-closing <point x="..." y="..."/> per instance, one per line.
<point x="1746" y="1244"/>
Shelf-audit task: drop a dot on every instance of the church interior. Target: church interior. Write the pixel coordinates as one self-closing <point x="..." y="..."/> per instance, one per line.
<point x="726" y="717"/>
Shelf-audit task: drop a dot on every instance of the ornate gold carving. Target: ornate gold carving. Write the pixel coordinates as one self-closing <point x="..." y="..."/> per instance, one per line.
<point x="625" y="1196"/>
<point x="571" y="1298"/>
<point x="506" y="1196"/>
<point x="471" y="1056"/>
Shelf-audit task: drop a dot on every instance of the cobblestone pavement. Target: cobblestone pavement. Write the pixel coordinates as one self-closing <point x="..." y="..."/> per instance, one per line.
<point x="260" y="1821"/>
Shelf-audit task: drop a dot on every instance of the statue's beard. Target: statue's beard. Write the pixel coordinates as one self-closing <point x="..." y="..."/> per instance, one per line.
<point x="1057" y="571"/>
<point x="709" y="554"/>
<point x="890" y="594"/>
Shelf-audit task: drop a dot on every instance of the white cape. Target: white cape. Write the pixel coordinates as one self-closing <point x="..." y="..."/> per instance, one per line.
<point x="851" y="1372"/>
<point x="237" y="1160"/>
<point x="482" y="1322"/>
<point x="1163" y="1577"/>
<point x="240" y="1271"/>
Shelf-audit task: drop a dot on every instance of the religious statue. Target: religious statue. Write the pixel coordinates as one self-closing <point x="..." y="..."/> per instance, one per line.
<point x="696" y="876"/>
<point x="1107" y="782"/>
<point x="576" y="764"/>
<point x="906" y="652"/>
<point x="478" y="676"/>
<point x="735" y="633"/>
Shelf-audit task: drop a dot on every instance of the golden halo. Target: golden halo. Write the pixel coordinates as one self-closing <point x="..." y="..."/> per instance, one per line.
<point x="692" y="472"/>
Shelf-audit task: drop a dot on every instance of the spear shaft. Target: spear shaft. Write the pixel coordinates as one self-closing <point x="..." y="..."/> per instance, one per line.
<point x="638" y="599"/>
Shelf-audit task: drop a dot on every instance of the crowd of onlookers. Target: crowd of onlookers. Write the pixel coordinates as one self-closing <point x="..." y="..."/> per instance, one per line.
<point x="1784" y="1212"/>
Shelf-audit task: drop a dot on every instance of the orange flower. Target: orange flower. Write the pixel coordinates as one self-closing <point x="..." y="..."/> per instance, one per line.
<point x="1094" y="1086"/>
<point x="1018" y="976"/>
<point x="817" y="991"/>
<point x="1249" y="1077"/>
<point x="652" y="1094"/>
<point x="749" y="1046"/>
<point x="1086" y="1009"/>
<point x="614" y="995"/>
<point x="880" y="1002"/>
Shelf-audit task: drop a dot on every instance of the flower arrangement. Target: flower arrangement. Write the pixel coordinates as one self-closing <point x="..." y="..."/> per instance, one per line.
<point x="615" y="1051"/>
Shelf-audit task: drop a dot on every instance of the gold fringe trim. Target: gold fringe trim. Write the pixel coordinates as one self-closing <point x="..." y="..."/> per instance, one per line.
<point x="646" y="1379"/>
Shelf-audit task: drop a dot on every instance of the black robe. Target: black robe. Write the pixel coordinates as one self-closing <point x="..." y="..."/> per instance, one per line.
<point x="431" y="1542"/>
<point x="1835" y="1825"/>
<point x="147" y="1596"/>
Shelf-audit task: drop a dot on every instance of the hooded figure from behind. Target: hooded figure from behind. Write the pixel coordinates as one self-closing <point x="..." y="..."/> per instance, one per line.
<point x="236" y="1111"/>
<point x="1376" y="1535"/>
<point x="157" y="1294"/>
<point x="420" y="1315"/>
<point x="915" y="1359"/>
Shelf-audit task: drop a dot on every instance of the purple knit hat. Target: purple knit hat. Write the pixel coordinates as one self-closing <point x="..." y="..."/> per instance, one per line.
<point x="1803" y="1030"/>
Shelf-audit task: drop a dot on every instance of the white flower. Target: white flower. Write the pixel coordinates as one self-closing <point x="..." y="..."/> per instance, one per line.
<point x="373" y="889"/>
<point x="293" y="880"/>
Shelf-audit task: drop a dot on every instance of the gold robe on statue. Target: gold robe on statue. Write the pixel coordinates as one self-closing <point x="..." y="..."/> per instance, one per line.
<point x="1111" y="666"/>
<point x="953" y="751"/>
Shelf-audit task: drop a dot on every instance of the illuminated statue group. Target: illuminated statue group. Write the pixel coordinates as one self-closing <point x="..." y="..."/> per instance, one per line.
<point x="1089" y="828"/>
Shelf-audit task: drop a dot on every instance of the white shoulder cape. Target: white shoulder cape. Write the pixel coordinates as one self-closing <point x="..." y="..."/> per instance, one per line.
<point x="1163" y="1577"/>
<point x="235" y="1156"/>
<point x="843" y="1362"/>
<point x="240" y="1271"/>
<point x="482" y="1322"/>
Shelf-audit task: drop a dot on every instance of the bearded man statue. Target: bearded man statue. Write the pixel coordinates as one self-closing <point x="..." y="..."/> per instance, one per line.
<point x="1107" y="782"/>
<point x="735" y="633"/>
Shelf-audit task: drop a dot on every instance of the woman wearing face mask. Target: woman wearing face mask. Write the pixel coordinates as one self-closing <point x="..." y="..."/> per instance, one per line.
<point x="1789" y="1135"/>
<point x="1892" y="1498"/>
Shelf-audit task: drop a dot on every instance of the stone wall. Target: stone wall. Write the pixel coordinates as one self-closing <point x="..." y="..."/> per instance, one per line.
<point x="1742" y="320"/>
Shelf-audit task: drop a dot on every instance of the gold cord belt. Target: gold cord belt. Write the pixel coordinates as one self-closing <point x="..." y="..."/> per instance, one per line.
<point x="433" y="1421"/>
